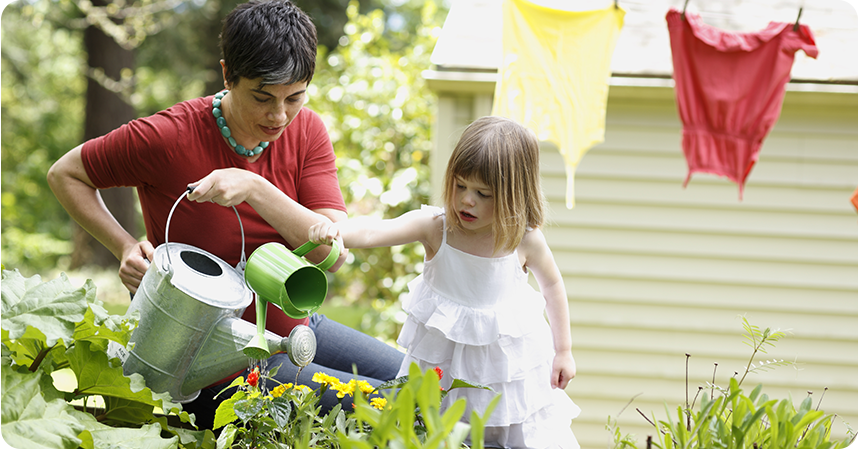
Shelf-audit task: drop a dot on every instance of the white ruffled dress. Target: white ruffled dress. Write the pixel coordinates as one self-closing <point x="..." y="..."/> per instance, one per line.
<point x="478" y="319"/>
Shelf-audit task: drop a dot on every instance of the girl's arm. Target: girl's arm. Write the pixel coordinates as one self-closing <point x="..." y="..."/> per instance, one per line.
<point x="368" y="232"/>
<point x="538" y="258"/>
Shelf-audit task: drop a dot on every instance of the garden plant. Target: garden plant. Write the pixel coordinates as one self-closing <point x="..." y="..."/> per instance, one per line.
<point x="49" y="327"/>
<point x="733" y="419"/>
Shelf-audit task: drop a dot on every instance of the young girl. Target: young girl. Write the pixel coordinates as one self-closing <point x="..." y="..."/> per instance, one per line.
<point x="472" y="313"/>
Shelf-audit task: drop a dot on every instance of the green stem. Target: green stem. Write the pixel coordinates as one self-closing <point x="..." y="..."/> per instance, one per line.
<point x="41" y="356"/>
<point x="752" y="357"/>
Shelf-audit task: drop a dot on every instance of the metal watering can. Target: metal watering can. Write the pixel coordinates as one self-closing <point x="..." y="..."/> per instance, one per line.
<point x="190" y="334"/>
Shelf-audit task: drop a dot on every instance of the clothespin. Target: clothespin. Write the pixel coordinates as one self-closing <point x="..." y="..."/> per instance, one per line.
<point x="797" y="22"/>
<point x="684" y="11"/>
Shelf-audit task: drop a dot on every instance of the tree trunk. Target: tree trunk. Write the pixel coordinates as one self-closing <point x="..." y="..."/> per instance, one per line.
<point x="106" y="111"/>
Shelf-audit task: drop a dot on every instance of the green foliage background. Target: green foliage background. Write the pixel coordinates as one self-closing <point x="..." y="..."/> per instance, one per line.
<point x="379" y="114"/>
<point x="41" y="108"/>
<point x="368" y="88"/>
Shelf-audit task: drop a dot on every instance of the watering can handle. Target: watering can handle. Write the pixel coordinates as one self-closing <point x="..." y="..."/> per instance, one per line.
<point x="329" y="261"/>
<point x="188" y="190"/>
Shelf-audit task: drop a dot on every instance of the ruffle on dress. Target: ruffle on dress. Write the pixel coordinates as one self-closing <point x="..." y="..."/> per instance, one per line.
<point x="548" y="428"/>
<point x="523" y="398"/>
<point x="504" y="361"/>
<point x="520" y="313"/>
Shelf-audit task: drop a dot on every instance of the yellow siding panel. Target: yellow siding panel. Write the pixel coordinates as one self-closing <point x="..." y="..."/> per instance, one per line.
<point x="654" y="270"/>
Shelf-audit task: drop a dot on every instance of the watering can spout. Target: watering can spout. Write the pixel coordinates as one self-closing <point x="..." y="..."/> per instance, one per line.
<point x="257" y="348"/>
<point x="222" y="355"/>
<point x="285" y="278"/>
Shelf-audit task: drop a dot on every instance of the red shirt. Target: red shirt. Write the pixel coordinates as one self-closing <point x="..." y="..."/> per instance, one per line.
<point x="729" y="89"/>
<point x="161" y="154"/>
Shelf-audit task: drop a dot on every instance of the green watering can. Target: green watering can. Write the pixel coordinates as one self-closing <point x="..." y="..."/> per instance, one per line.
<point x="285" y="278"/>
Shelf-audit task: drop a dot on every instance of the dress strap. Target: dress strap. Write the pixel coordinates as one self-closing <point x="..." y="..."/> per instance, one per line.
<point x="444" y="229"/>
<point x="437" y="211"/>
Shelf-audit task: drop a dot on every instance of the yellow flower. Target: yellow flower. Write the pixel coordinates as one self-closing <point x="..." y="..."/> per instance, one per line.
<point x="365" y="387"/>
<point x="344" y="389"/>
<point x="302" y="387"/>
<point x="324" y="379"/>
<point x="378" y="402"/>
<point x="280" y="389"/>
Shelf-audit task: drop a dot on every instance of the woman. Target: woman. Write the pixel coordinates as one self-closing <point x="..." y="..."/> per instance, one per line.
<point x="253" y="146"/>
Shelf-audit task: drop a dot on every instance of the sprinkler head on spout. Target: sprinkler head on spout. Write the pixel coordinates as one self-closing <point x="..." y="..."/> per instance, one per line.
<point x="302" y="346"/>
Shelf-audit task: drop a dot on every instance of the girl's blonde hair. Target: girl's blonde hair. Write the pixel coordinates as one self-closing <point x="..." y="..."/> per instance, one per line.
<point x="505" y="156"/>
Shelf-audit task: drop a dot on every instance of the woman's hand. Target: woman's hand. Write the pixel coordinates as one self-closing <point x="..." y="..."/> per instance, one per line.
<point x="134" y="264"/>
<point x="226" y="187"/>
<point x="563" y="369"/>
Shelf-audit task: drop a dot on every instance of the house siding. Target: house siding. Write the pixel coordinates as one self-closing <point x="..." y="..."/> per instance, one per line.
<point x="654" y="270"/>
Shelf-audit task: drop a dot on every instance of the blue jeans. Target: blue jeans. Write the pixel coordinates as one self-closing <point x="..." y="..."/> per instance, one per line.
<point x="338" y="348"/>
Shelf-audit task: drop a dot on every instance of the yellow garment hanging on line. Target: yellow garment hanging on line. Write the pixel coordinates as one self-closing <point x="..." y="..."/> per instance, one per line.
<point x="555" y="73"/>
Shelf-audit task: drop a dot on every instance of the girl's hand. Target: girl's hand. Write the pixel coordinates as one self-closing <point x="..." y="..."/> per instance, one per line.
<point x="563" y="369"/>
<point x="325" y="233"/>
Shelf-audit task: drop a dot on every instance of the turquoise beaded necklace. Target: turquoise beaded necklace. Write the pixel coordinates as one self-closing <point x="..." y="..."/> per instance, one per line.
<point x="225" y="130"/>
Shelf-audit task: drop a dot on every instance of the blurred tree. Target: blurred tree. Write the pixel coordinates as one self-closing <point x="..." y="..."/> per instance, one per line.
<point x="110" y="65"/>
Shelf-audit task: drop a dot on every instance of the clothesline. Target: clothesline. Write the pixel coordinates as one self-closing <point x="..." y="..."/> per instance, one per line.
<point x="749" y="15"/>
<point x="580" y="96"/>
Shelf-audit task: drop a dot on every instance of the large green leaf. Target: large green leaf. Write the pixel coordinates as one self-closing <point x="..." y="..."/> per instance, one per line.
<point x="14" y="287"/>
<point x="27" y="347"/>
<point x="147" y="436"/>
<point x="247" y="408"/>
<point x="189" y="438"/>
<point x="28" y="421"/>
<point x="99" y="326"/>
<point x="281" y="408"/>
<point x="97" y="377"/>
<point x="53" y="307"/>
<point x="225" y="414"/>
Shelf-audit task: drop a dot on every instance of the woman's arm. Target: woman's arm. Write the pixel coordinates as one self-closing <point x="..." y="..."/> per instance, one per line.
<point x="73" y="188"/>
<point x="539" y="259"/>
<point x="232" y="186"/>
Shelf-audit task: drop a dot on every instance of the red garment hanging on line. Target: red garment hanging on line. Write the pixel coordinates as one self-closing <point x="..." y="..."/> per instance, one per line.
<point x="729" y="89"/>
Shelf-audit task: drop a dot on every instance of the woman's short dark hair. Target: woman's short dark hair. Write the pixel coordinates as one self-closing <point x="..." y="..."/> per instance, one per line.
<point x="269" y="39"/>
